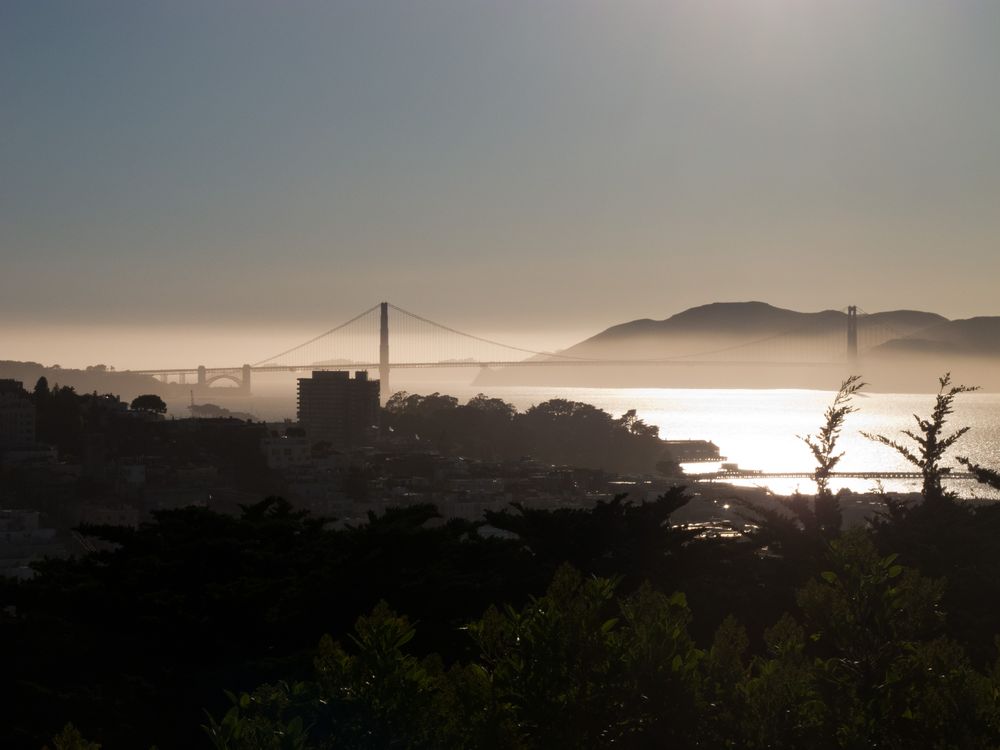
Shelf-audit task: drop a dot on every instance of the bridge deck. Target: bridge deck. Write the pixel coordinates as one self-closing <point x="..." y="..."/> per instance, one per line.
<point x="496" y="364"/>
<point x="440" y="346"/>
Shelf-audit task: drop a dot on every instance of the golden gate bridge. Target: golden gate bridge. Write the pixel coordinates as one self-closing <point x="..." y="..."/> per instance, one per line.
<point x="363" y="343"/>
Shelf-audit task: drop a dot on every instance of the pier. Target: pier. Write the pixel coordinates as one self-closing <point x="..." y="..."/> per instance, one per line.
<point x="751" y="474"/>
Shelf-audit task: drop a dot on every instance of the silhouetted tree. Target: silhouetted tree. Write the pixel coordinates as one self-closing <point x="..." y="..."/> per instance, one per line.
<point x="60" y="419"/>
<point x="983" y="475"/>
<point x="862" y="665"/>
<point x="631" y="422"/>
<point x="799" y="529"/>
<point x="556" y="431"/>
<point x="149" y="628"/>
<point x="71" y="739"/>
<point x="931" y="442"/>
<point x="492" y="406"/>
<point x="823" y="445"/>
<point x="149" y="402"/>
<point x="41" y="388"/>
<point x="614" y="539"/>
<point x="958" y="540"/>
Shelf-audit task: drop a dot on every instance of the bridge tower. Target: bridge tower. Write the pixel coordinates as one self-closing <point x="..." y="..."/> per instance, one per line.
<point x="383" y="351"/>
<point x="852" y="335"/>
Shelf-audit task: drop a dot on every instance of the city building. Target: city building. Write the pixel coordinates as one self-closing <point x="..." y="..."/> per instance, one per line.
<point x="285" y="450"/>
<point x="17" y="416"/>
<point x="337" y="409"/>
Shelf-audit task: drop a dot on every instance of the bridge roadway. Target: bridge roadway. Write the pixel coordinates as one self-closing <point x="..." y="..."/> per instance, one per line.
<point x="749" y="474"/>
<point x="465" y="363"/>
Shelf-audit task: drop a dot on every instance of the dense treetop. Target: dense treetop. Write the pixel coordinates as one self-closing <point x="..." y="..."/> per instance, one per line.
<point x="556" y="431"/>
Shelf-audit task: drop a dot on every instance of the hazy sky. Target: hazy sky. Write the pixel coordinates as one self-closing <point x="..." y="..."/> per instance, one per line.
<point x="503" y="166"/>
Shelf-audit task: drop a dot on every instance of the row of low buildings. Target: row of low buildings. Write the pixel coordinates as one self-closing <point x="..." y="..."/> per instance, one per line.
<point x="347" y="486"/>
<point x="332" y="461"/>
<point x="329" y="466"/>
<point x="333" y="408"/>
<point x="22" y="538"/>
<point x="45" y="496"/>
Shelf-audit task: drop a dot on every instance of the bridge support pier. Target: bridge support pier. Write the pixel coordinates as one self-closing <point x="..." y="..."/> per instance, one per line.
<point x="201" y="375"/>
<point x="383" y="352"/>
<point x="245" y="385"/>
<point x="852" y="336"/>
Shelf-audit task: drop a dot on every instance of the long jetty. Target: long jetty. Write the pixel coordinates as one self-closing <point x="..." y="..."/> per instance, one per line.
<point x="751" y="474"/>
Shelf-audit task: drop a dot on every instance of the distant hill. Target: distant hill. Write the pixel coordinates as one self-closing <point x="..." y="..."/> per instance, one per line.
<point x="735" y="318"/>
<point x="745" y="325"/>
<point x="977" y="337"/>
<point x="752" y="336"/>
<point x="99" y="379"/>
<point x="125" y="384"/>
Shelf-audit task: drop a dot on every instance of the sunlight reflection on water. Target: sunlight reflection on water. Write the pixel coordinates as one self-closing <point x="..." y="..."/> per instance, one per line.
<point x="759" y="428"/>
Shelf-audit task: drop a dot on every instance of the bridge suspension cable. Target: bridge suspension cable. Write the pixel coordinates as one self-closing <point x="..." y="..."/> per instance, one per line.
<point x="482" y="339"/>
<point x="745" y="344"/>
<point x="415" y="339"/>
<point x="316" y="339"/>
